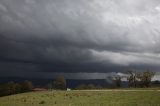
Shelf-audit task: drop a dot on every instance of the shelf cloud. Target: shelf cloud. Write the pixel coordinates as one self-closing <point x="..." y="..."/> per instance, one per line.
<point x="79" y="36"/>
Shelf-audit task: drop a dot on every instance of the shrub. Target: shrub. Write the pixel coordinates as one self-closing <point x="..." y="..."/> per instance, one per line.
<point x="42" y="102"/>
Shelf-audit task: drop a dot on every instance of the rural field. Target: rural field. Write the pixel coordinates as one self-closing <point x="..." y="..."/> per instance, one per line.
<point x="85" y="98"/>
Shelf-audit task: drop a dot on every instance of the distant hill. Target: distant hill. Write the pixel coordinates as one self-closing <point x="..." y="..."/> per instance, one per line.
<point x="71" y="83"/>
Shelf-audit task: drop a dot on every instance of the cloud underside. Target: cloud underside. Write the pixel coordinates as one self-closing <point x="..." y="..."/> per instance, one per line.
<point x="79" y="36"/>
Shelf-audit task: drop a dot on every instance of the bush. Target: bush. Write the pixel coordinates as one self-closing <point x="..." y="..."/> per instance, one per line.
<point x="42" y="102"/>
<point x="89" y="86"/>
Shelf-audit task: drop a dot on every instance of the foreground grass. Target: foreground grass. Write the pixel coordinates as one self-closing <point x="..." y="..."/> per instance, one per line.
<point x="84" y="98"/>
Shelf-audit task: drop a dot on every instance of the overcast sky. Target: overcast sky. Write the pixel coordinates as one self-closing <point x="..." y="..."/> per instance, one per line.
<point x="78" y="36"/>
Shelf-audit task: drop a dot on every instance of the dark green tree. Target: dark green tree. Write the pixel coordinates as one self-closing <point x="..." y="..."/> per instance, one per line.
<point x="26" y="86"/>
<point x="9" y="88"/>
<point x="60" y="83"/>
<point x="14" y="88"/>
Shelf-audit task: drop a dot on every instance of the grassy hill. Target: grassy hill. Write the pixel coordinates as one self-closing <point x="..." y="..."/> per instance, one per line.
<point x="84" y="98"/>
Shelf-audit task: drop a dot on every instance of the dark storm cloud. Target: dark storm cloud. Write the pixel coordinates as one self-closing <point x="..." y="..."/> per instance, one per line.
<point x="79" y="36"/>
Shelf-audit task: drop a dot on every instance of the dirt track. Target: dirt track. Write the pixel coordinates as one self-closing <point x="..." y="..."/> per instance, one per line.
<point x="118" y="90"/>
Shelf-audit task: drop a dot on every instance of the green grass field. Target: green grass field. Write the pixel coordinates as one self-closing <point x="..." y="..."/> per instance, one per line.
<point x="84" y="98"/>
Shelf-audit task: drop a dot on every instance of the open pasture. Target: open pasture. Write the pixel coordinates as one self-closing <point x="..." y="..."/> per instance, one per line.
<point x="84" y="98"/>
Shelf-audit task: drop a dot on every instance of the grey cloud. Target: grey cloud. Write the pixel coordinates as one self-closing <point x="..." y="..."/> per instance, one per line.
<point x="79" y="36"/>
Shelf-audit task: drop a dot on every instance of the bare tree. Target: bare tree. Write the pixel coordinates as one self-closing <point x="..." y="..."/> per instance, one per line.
<point x="118" y="81"/>
<point x="132" y="79"/>
<point x="145" y="78"/>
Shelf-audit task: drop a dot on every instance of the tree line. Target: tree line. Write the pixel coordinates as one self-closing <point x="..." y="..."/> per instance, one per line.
<point x="140" y="79"/>
<point x="15" y="88"/>
<point x="135" y="79"/>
